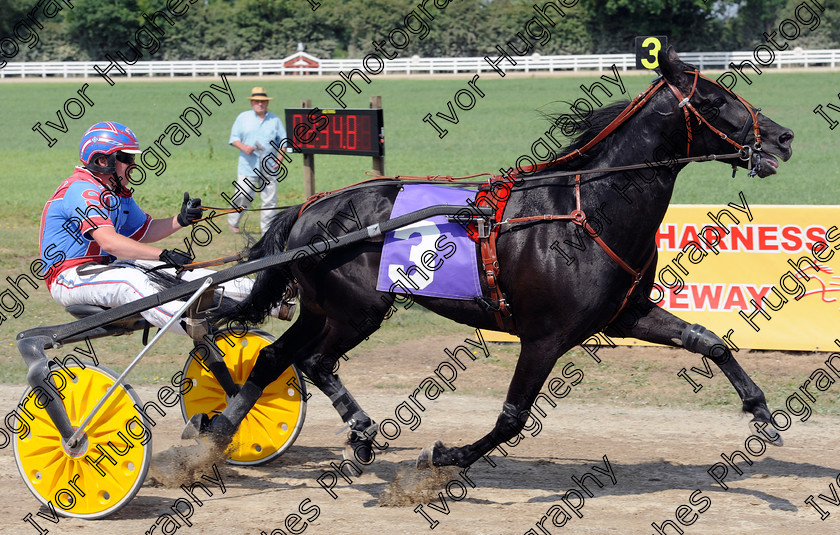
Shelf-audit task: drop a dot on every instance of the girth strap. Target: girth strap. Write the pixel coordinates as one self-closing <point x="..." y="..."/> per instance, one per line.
<point x="577" y="216"/>
<point x="490" y="261"/>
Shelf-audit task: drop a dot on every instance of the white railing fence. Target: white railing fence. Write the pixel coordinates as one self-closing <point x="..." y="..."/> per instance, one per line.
<point x="415" y="65"/>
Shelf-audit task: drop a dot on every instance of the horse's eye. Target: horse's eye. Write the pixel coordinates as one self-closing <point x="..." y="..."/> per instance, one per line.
<point x="708" y="104"/>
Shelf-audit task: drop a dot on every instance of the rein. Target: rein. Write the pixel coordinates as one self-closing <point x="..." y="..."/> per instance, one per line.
<point x="224" y="211"/>
<point x="458" y="181"/>
<point x="446" y="180"/>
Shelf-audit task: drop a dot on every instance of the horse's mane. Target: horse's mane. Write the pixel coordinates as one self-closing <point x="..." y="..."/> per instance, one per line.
<point x="598" y="120"/>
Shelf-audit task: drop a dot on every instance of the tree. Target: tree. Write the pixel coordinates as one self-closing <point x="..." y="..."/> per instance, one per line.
<point x="260" y="29"/>
<point x="749" y="19"/>
<point x="100" y="27"/>
<point x="40" y="32"/>
<point x="689" y="24"/>
<point x="12" y="13"/>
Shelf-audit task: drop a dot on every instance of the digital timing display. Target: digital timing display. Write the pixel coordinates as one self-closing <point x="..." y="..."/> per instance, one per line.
<point x="347" y="131"/>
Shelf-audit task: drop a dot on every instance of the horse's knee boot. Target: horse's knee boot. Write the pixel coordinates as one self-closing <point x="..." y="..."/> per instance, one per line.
<point x="509" y="423"/>
<point x="698" y="339"/>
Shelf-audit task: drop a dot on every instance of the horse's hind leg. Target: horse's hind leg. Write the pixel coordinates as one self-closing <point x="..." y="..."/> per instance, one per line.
<point x="325" y="343"/>
<point x="319" y="366"/>
<point x="646" y="321"/>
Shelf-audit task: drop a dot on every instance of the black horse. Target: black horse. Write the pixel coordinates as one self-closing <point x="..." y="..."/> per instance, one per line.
<point x="556" y="305"/>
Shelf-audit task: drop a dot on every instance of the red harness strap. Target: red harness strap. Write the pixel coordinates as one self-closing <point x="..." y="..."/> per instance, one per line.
<point x="489" y="259"/>
<point x="485" y="234"/>
<point x="503" y="314"/>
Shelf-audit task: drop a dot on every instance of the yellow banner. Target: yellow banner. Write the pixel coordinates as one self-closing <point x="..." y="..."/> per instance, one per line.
<point x="717" y="263"/>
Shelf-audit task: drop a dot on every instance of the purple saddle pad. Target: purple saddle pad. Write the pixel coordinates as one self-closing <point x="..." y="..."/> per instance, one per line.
<point x="432" y="257"/>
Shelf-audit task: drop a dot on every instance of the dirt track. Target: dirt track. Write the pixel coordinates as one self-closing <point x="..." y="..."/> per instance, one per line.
<point x="659" y="457"/>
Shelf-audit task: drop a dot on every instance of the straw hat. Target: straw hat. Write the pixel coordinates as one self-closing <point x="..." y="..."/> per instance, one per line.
<point x="258" y="93"/>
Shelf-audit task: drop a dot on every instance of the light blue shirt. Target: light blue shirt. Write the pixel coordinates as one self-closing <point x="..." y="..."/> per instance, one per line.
<point x="251" y="131"/>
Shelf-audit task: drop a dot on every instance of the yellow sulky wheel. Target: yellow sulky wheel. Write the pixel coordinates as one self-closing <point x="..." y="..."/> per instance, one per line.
<point x="274" y="422"/>
<point x="106" y="468"/>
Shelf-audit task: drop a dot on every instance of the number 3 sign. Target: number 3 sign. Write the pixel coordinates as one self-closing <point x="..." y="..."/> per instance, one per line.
<point x="647" y="50"/>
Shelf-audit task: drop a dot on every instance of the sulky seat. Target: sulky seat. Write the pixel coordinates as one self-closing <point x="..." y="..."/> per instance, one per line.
<point x="119" y="327"/>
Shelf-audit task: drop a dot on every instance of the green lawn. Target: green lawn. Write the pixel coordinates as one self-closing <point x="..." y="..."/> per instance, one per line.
<point x="500" y="127"/>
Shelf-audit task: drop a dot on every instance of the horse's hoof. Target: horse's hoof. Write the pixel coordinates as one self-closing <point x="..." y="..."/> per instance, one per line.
<point x="196" y="426"/>
<point x="218" y="429"/>
<point x="359" y="452"/>
<point x="221" y="427"/>
<point x="766" y="432"/>
<point x="425" y="460"/>
<point x="359" y="446"/>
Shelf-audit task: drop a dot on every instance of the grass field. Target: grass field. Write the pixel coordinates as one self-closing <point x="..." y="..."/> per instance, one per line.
<point x="501" y="127"/>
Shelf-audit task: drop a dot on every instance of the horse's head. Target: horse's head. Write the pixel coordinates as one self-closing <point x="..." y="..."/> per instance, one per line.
<point x="721" y="121"/>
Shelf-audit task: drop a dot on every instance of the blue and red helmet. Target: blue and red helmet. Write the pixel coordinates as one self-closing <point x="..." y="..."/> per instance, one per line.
<point x="106" y="139"/>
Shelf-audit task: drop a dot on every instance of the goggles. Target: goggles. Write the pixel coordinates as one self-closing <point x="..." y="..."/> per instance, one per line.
<point x="125" y="158"/>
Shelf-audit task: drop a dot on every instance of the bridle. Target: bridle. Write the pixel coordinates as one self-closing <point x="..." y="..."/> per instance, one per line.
<point x="746" y="153"/>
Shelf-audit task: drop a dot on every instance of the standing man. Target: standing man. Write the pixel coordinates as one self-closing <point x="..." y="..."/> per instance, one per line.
<point x="252" y="133"/>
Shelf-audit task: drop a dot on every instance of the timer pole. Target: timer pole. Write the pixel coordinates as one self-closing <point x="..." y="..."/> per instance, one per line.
<point x="308" y="163"/>
<point x="378" y="161"/>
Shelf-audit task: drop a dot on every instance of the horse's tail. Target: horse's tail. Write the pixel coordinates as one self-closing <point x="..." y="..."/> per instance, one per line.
<point x="271" y="284"/>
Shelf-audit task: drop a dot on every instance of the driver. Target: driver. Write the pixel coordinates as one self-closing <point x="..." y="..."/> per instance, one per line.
<point x="92" y="220"/>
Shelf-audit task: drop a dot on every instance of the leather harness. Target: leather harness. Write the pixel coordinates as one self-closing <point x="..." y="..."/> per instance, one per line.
<point x="487" y="240"/>
<point x="489" y="260"/>
<point x="485" y="233"/>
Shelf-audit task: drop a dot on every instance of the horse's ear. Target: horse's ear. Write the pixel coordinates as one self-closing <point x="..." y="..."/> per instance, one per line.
<point x="672" y="68"/>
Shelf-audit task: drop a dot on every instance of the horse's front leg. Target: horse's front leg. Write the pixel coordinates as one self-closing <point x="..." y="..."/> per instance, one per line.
<point x="646" y="321"/>
<point x="536" y="361"/>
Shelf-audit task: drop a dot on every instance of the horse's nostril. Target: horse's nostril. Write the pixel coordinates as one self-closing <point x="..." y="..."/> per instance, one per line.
<point x="786" y="137"/>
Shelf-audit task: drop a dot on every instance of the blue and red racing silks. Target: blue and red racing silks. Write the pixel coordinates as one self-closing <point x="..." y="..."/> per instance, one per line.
<point x="80" y="205"/>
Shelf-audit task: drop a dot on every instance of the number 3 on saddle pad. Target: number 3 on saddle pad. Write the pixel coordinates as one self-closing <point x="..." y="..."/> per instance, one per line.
<point x="433" y="257"/>
<point x="274" y="422"/>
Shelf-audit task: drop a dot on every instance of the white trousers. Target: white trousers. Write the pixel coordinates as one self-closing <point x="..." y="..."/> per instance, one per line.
<point x="268" y="195"/>
<point x="125" y="282"/>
